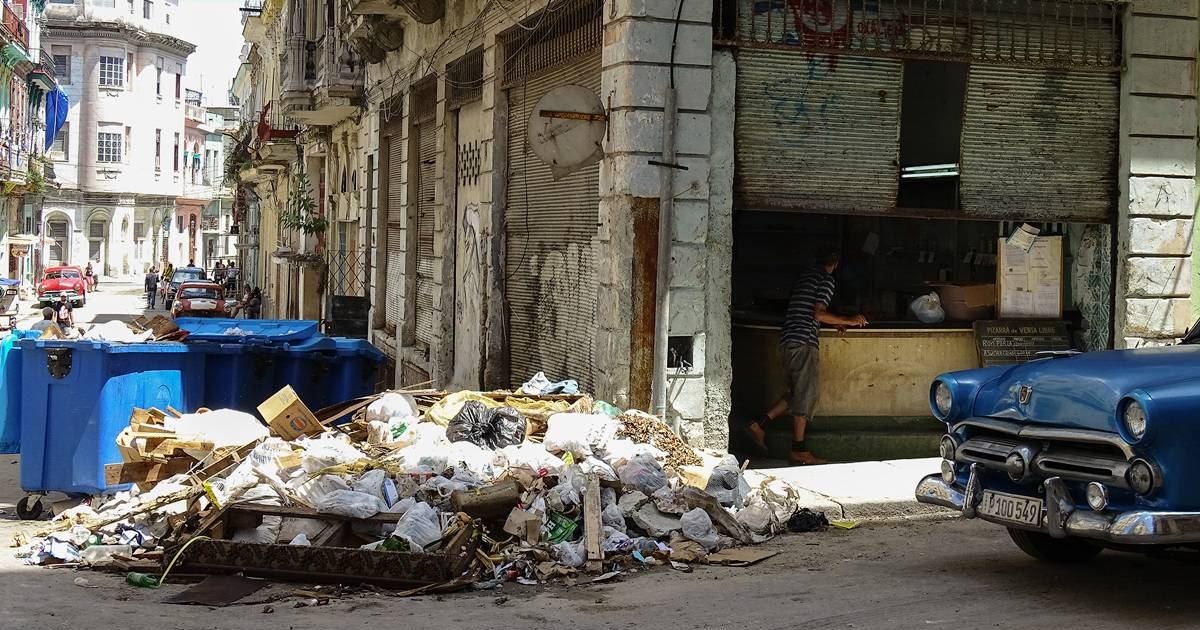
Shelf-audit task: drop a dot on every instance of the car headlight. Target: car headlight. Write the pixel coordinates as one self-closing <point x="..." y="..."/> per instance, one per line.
<point x="1142" y="478"/>
<point x="1134" y="417"/>
<point x="943" y="400"/>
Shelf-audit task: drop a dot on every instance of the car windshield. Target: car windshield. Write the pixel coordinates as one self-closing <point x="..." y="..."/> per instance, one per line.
<point x="183" y="275"/>
<point x="198" y="292"/>
<point x="55" y="275"/>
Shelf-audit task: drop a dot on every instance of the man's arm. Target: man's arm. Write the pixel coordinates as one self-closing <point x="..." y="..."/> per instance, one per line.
<point x="822" y="315"/>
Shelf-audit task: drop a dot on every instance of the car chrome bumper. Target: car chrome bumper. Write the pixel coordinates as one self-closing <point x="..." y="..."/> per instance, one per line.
<point x="1063" y="518"/>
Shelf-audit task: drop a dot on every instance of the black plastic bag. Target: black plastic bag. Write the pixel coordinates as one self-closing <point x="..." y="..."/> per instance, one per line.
<point x="806" y="520"/>
<point x="487" y="428"/>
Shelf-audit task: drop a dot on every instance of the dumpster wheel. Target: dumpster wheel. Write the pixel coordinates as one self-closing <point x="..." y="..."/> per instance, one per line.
<point x="29" y="508"/>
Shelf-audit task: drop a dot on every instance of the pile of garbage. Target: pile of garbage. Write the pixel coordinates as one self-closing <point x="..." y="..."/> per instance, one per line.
<point x="485" y="486"/>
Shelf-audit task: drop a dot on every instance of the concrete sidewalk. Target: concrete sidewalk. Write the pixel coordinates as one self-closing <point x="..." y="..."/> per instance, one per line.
<point x="871" y="491"/>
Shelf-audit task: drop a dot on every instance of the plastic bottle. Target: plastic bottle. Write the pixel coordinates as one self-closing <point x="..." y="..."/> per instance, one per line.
<point x="97" y="554"/>
<point x="140" y="579"/>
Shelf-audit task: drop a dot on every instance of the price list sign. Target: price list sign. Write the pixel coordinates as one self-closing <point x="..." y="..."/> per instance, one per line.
<point x="1005" y="342"/>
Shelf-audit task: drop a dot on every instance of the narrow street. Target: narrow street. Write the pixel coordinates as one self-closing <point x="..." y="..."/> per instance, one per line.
<point x="947" y="573"/>
<point x="112" y="302"/>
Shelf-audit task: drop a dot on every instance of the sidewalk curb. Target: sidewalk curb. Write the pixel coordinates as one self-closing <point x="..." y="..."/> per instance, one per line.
<point x="880" y="491"/>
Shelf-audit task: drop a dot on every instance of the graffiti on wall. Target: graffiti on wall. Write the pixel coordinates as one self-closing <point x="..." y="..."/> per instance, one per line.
<point x="837" y="24"/>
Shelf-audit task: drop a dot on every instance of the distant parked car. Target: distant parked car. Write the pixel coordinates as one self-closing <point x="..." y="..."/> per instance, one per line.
<point x="181" y="275"/>
<point x="199" y="299"/>
<point x="1075" y="452"/>
<point x="58" y="282"/>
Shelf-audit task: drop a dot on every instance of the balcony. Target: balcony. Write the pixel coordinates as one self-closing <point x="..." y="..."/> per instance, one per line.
<point x="423" y="11"/>
<point x="15" y="26"/>
<point x="276" y="138"/>
<point x="337" y="81"/>
<point x="43" y="73"/>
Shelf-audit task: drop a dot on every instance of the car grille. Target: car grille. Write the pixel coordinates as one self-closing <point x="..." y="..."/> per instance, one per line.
<point x="1091" y="456"/>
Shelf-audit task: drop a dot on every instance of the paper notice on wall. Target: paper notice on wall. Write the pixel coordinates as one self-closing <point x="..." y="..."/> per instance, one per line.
<point x="1023" y="237"/>
<point x="1031" y="281"/>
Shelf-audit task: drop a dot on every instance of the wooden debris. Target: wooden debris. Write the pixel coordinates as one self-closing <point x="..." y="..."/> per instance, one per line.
<point x="593" y="524"/>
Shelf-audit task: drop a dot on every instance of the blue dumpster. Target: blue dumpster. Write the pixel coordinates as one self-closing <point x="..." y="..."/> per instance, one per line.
<point x="237" y="375"/>
<point x="10" y="398"/>
<point x="276" y="330"/>
<point x="77" y="397"/>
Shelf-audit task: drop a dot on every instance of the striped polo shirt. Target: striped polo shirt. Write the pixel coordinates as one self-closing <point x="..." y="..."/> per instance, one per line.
<point x="800" y="327"/>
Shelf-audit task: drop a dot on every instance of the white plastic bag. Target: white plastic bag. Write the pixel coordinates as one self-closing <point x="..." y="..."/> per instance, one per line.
<point x="698" y="526"/>
<point x="222" y="427"/>
<point x="578" y="433"/>
<point x="351" y="503"/>
<point x="371" y="482"/>
<point x="419" y="526"/>
<point x="615" y="540"/>
<point x="326" y="451"/>
<point x="612" y="517"/>
<point x="928" y="308"/>
<point x="392" y="406"/>
<point x="531" y="456"/>
<point x="571" y="554"/>
<point x="643" y="473"/>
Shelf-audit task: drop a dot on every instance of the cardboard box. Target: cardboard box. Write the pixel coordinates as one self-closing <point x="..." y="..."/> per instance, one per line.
<point x="526" y="525"/>
<point x="967" y="302"/>
<point x="288" y="416"/>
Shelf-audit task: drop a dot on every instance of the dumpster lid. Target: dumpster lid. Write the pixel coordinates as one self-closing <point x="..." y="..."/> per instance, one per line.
<point x="236" y="330"/>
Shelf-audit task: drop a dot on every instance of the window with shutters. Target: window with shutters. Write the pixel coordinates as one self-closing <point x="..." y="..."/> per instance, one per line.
<point x="96" y="229"/>
<point x="157" y="149"/>
<point x="147" y="9"/>
<point x="112" y="71"/>
<point x="60" y="150"/>
<point x="62" y="63"/>
<point x="57" y="231"/>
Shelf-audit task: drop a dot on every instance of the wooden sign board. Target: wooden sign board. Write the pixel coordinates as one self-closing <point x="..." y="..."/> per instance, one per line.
<point x="1010" y="341"/>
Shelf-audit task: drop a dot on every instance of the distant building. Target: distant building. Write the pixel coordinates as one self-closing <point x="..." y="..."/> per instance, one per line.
<point x="120" y="158"/>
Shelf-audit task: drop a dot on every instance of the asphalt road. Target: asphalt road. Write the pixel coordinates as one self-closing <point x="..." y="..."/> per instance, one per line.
<point x="114" y="301"/>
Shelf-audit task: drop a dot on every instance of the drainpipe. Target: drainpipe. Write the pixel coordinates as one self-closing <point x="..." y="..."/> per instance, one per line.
<point x="666" y="202"/>
<point x="662" y="285"/>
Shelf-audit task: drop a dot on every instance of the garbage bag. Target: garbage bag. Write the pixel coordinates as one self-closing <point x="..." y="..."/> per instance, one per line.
<point x="805" y="520"/>
<point x="394" y="432"/>
<point x="579" y="433"/>
<point x="612" y="517"/>
<point x="371" y="482"/>
<point x="727" y="485"/>
<point x="419" y="526"/>
<point x="393" y="406"/>
<point x="757" y="517"/>
<point x="698" y="526"/>
<point x="643" y="473"/>
<point x="533" y="457"/>
<point x="571" y="554"/>
<point x="444" y="410"/>
<point x="615" y="540"/>
<point x="492" y="428"/>
<point x="351" y="503"/>
<point x="928" y="308"/>
<point x="222" y="427"/>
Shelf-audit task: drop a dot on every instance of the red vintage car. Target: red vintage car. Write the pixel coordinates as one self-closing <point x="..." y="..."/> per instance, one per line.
<point x="199" y="299"/>
<point x="59" y="282"/>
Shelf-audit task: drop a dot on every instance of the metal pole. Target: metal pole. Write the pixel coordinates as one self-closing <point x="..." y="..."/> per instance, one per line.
<point x="662" y="293"/>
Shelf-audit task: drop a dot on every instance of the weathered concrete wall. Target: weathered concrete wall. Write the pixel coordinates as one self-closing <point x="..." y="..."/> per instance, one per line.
<point x="1157" y="173"/>
<point x="718" y="338"/>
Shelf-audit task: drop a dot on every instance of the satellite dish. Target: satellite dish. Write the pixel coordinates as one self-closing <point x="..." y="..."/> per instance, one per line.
<point x="566" y="128"/>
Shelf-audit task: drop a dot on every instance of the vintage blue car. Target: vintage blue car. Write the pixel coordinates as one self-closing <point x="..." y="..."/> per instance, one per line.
<point x="1075" y="452"/>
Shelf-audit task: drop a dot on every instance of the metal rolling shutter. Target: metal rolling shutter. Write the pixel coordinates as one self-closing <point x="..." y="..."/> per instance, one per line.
<point x="817" y="132"/>
<point x="394" y="189"/>
<point x="550" y="227"/>
<point x="1040" y="144"/>
<point x="426" y="199"/>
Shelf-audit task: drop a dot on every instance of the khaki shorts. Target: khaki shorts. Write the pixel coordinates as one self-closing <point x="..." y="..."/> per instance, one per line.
<point x="801" y="374"/>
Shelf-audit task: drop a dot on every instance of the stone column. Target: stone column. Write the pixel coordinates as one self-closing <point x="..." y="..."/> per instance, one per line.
<point x="638" y="36"/>
<point x="1157" y="173"/>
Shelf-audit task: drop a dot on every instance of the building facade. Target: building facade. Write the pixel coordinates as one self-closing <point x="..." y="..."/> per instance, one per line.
<point x="506" y="173"/>
<point x="119" y="160"/>
<point x="30" y="101"/>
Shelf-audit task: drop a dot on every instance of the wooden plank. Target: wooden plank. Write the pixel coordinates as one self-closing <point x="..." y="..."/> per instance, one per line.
<point x="157" y="414"/>
<point x="144" y="472"/>
<point x="593" y="525"/>
<point x="224" y="463"/>
<point x="327" y="536"/>
<point x="174" y="412"/>
<point x="300" y="512"/>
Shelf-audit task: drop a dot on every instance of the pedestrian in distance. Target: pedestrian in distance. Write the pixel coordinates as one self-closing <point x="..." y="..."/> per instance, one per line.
<point x="231" y="274"/>
<point x="47" y="320"/>
<point x="219" y="271"/>
<point x="800" y="347"/>
<point x="151" y="288"/>
<point x="64" y="315"/>
<point x="254" y="305"/>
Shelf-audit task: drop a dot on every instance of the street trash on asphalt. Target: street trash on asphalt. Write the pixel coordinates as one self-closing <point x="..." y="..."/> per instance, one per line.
<point x="455" y="489"/>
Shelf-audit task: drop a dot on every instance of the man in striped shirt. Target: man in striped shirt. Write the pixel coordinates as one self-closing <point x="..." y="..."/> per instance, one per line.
<point x="799" y="346"/>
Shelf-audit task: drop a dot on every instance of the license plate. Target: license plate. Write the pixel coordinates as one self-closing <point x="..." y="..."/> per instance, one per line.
<point x="1011" y="507"/>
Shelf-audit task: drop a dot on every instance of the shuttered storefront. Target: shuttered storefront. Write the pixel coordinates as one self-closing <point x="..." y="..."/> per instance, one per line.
<point x="817" y="132"/>
<point x="550" y="226"/>
<point x="1040" y="144"/>
<point x="393" y="188"/>
<point x="426" y="132"/>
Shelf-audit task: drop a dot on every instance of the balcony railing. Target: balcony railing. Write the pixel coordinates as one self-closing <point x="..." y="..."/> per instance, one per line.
<point x="337" y="65"/>
<point x="16" y="27"/>
<point x="46" y="60"/>
<point x="195" y="112"/>
<point x="273" y="126"/>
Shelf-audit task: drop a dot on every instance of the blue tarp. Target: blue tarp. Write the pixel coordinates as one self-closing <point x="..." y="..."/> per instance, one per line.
<point x="56" y="114"/>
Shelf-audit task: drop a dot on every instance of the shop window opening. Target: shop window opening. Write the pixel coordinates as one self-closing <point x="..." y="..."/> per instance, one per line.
<point x="679" y="352"/>
<point x="931" y="114"/>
